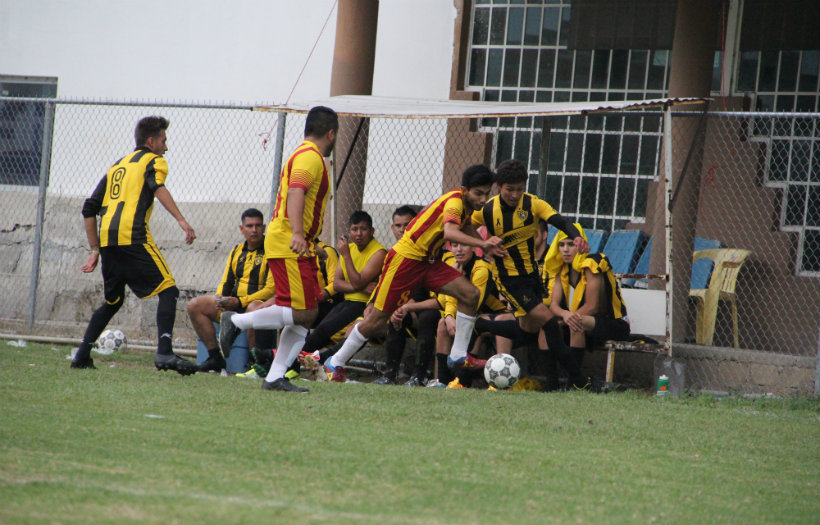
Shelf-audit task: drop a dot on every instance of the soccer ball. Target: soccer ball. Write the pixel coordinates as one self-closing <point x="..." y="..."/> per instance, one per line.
<point x="502" y="371"/>
<point x="110" y="341"/>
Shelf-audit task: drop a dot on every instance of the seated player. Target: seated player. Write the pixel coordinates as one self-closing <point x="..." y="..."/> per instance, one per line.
<point x="417" y="318"/>
<point x="478" y="270"/>
<point x="585" y="295"/>
<point x="358" y="271"/>
<point x="246" y="284"/>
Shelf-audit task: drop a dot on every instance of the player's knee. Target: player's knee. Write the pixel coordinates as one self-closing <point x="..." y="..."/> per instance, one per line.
<point x="196" y="305"/>
<point x="253" y="306"/>
<point x="169" y="295"/>
<point x="471" y="296"/>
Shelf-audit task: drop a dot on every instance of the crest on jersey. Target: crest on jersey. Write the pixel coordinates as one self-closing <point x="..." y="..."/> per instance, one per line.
<point x="522" y="214"/>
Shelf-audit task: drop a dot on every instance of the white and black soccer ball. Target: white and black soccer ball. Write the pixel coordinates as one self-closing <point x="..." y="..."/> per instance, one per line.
<point x="502" y="371"/>
<point x="110" y="341"/>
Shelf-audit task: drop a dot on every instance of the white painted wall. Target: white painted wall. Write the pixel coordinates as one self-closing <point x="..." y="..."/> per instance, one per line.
<point x="242" y="52"/>
<point x="212" y="50"/>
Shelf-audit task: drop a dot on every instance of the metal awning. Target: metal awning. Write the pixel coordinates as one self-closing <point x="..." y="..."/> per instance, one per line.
<point x="394" y="107"/>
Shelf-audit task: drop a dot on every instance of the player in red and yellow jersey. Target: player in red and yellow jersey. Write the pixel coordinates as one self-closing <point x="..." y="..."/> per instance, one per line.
<point x="413" y="263"/>
<point x="304" y="188"/>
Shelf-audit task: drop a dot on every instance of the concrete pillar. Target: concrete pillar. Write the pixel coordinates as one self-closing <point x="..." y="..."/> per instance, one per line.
<point x="697" y="23"/>
<point x="353" y="58"/>
<point x="465" y="146"/>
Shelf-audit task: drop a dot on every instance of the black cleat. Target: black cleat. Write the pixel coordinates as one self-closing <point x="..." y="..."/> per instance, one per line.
<point x="282" y="385"/>
<point x="228" y="332"/>
<point x="212" y="364"/>
<point x="589" y="384"/>
<point x="262" y="358"/>
<point x="174" y="362"/>
<point x="88" y="363"/>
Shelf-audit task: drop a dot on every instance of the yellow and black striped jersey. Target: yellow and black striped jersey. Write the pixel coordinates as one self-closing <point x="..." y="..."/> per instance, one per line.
<point x="517" y="227"/>
<point x="247" y="276"/>
<point x="125" y="198"/>
<point x="612" y="304"/>
<point x="327" y="266"/>
<point x="478" y="271"/>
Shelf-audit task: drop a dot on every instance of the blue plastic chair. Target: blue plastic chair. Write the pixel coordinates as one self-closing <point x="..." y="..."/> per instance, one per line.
<point x="623" y="249"/>
<point x="237" y="362"/>
<point x="596" y="239"/>
<point x="701" y="270"/>
<point x="642" y="267"/>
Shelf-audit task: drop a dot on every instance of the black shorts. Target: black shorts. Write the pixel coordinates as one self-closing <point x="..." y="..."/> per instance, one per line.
<point x="608" y="329"/>
<point x="524" y="292"/>
<point x="140" y="266"/>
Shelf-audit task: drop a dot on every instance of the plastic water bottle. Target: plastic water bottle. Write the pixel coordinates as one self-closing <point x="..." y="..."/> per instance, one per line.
<point x="663" y="386"/>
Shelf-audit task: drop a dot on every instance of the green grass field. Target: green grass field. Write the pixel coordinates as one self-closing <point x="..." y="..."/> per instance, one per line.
<point x="128" y="444"/>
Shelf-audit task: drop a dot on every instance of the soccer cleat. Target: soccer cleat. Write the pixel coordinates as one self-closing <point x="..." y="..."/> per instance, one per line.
<point x="88" y="363"/>
<point x="492" y="388"/>
<point x="228" y="332"/>
<point x="335" y="374"/>
<point x="415" y="381"/>
<point x="452" y="364"/>
<point x="212" y="364"/>
<point x="282" y="385"/>
<point x="466" y="362"/>
<point x="435" y="383"/>
<point x="588" y="384"/>
<point x="304" y="356"/>
<point x="291" y="374"/>
<point x="455" y="384"/>
<point x="385" y="379"/>
<point x="263" y="357"/>
<point x="250" y="374"/>
<point x="174" y="362"/>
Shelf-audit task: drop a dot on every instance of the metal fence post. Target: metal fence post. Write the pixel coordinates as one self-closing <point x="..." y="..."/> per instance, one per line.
<point x="667" y="173"/>
<point x="45" y="163"/>
<point x="279" y="146"/>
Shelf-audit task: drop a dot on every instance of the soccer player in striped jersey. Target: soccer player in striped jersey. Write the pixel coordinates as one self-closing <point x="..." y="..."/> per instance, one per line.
<point x="585" y="296"/>
<point x="304" y="187"/>
<point x="414" y="262"/>
<point x="124" y="199"/>
<point x="513" y="216"/>
<point x="246" y="284"/>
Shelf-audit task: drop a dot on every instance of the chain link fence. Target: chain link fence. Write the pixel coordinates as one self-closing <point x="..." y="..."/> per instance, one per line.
<point x="745" y="320"/>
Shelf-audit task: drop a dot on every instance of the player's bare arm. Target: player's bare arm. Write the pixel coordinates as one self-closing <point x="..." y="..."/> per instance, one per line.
<point x="455" y="233"/>
<point x="296" y="210"/>
<point x="164" y="197"/>
<point x="90" y="224"/>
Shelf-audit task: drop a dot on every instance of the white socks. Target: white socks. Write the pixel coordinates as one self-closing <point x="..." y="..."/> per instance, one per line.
<point x="351" y="345"/>
<point x="464" y="328"/>
<point x="291" y="341"/>
<point x="269" y="318"/>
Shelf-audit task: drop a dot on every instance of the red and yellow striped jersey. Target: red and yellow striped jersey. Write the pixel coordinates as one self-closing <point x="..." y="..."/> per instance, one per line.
<point x="304" y="169"/>
<point x="424" y="236"/>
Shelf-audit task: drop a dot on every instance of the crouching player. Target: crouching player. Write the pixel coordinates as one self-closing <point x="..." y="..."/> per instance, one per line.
<point x="413" y="263"/>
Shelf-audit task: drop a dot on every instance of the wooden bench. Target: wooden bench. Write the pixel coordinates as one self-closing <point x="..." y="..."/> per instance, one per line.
<point x="647" y="315"/>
